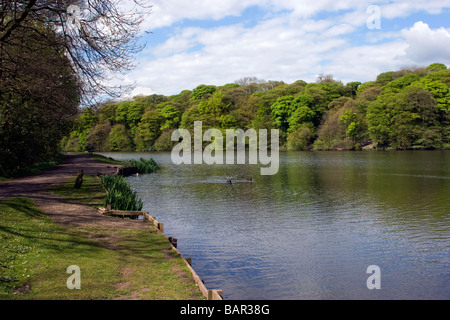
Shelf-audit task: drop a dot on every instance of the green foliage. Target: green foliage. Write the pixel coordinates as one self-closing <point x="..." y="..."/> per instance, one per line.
<point x="202" y="90"/>
<point x="39" y="98"/>
<point x="98" y="137"/>
<point x="301" y="116"/>
<point x="405" y="109"/>
<point x="171" y="114"/>
<point x="301" y="138"/>
<point x="145" y="166"/>
<point x="214" y="105"/>
<point x="437" y="67"/>
<point x="129" y="114"/>
<point x="282" y="111"/>
<point x="398" y="84"/>
<point x="385" y="77"/>
<point x="120" y="195"/>
<point x="149" y="129"/>
<point x="120" y="139"/>
<point x="379" y="121"/>
<point x="164" y="142"/>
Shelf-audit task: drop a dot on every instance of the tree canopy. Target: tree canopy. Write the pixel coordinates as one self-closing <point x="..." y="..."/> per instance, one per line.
<point x="54" y="56"/>
<point x="405" y="109"/>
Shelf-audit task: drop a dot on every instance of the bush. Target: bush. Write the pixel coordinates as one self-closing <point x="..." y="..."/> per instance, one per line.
<point x="120" y="195"/>
<point x="145" y="166"/>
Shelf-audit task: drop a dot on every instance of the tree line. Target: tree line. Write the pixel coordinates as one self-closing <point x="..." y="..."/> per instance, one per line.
<point x="405" y="109"/>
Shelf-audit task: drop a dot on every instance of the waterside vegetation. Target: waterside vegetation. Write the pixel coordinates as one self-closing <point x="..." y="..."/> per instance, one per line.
<point x="119" y="194"/>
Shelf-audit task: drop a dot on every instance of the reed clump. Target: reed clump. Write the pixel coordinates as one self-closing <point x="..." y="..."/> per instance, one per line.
<point x="120" y="195"/>
<point x="145" y="166"/>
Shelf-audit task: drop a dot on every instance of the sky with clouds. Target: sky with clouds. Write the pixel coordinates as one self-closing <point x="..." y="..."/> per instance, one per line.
<point x="218" y="42"/>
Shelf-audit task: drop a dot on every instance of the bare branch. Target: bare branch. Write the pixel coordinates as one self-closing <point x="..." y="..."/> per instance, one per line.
<point x="100" y="45"/>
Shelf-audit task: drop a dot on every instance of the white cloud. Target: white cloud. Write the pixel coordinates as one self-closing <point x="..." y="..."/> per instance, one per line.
<point x="276" y="49"/>
<point x="365" y="63"/>
<point x="402" y="8"/>
<point x="427" y="45"/>
<point x="291" y="43"/>
<point x="165" y="13"/>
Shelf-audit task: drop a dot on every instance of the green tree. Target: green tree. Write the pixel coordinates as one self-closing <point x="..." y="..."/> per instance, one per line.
<point x="414" y="111"/>
<point x="398" y="84"/>
<point x="82" y="127"/>
<point x="301" y="115"/>
<point x="171" y="114"/>
<point x="164" y="141"/>
<point x="129" y="114"/>
<point x="281" y="112"/>
<point x="39" y="95"/>
<point x="149" y="129"/>
<point x="300" y="138"/>
<point x="436" y="67"/>
<point x="120" y="139"/>
<point x="202" y="90"/>
<point x="440" y="90"/>
<point x="379" y="121"/>
<point x="189" y="117"/>
<point x="98" y="137"/>
<point x="354" y="127"/>
<point x="214" y="105"/>
<point x="107" y="113"/>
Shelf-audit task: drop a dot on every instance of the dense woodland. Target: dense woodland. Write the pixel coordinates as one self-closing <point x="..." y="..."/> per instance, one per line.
<point x="405" y="109"/>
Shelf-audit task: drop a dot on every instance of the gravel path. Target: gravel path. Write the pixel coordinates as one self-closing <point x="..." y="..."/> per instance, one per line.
<point x="60" y="211"/>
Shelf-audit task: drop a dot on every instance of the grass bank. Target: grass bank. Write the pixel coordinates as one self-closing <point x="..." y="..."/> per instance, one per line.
<point x="114" y="264"/>
<point x="109" y="160"/>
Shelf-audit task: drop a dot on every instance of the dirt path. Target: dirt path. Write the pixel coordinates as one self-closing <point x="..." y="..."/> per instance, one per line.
<point x="61" y="212"/>
<point x="27" y="186"/>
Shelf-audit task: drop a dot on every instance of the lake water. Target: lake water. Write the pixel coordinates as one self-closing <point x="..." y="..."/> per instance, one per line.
<point x="312" y="230"/>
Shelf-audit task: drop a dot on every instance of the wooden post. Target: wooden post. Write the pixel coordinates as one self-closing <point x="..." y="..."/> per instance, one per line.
<point x="215" y="295"/>
<point x="79" y="179"/>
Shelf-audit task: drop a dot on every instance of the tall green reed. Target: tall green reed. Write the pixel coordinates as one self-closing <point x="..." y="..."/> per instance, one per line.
<point x="120" y="195"/>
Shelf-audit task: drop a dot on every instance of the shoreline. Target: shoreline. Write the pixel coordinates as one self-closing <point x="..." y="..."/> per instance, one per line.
<point x="67" y="214"/>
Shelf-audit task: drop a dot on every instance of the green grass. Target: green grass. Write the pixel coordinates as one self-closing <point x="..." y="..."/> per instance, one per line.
<point x="104" y="159"/>
<point x="35" y="254"/>
<point x="90" y="194"/>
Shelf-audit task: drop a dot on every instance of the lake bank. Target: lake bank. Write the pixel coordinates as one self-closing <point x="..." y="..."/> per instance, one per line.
<point x="44" y="233"/>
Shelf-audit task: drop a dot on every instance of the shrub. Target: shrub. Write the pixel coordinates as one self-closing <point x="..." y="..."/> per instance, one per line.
<point x="145" y="166"/>
<point x="120" y="195"/>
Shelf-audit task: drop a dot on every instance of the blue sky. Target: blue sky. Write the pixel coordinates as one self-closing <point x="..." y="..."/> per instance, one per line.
<point x="217" y="42"/>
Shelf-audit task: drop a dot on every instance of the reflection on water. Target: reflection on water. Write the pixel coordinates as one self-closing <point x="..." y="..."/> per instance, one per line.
<point x="311" y="231"/>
